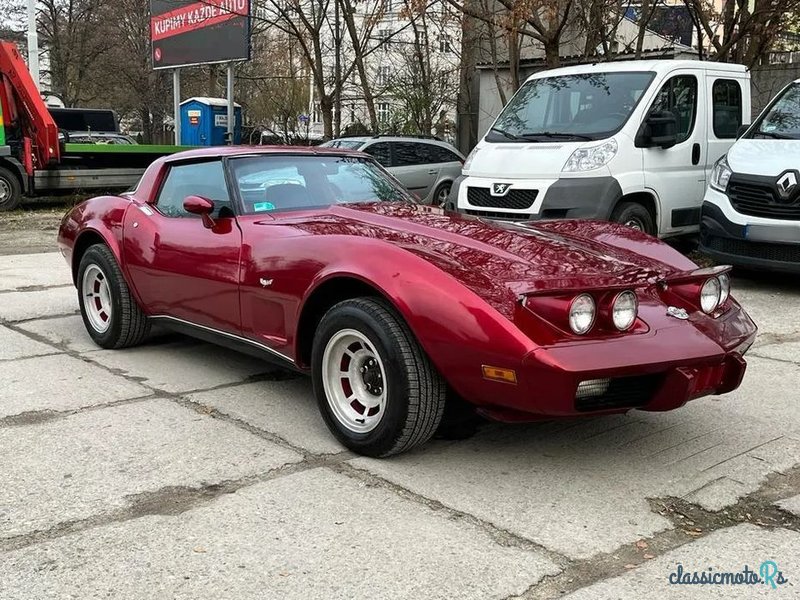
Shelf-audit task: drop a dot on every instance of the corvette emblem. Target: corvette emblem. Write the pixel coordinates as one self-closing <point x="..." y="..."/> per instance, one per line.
<point x="678" y="313"/>
<point x="265" y="282"/>
<point x="500" y="189"/>
<point x="786" y="184"/>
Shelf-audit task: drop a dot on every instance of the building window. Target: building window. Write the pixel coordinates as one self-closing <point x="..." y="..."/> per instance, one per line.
<point x="386" y="6"/>
<point x="383" y="112"/>
<point x="384" y="75"/>
<point x="384" y="37"/>
<point x="444" y="43"/>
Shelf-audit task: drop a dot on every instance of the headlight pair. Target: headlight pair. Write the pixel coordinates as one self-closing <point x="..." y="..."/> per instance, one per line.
<point x="715" y="292"/>
<point x="583" y="312"/>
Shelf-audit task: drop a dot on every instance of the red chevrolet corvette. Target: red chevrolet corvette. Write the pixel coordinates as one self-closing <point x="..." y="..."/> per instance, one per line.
<point x="320" y="261"/>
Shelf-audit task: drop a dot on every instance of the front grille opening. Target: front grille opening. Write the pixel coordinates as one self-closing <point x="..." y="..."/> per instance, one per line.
<point x="514" y="199"/>
<point x="762" y="200"/>
<point x="617" y="392"/>
<point x="788" y="253"/>
<point x="498" y="215"/>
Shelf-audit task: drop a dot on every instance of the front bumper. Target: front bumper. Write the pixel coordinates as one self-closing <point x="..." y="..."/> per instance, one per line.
<point x="723" y="237"/>
<point x="658" y="371"/>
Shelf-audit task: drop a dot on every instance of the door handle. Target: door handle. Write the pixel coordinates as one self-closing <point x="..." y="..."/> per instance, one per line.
<point x="433" y="171"/>
<point x="695" y="154"/>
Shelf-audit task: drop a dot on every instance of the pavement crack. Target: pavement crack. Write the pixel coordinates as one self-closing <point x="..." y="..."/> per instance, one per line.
<point x="38" y="417"/>
<point x="690" y="522"/>
<point x="500" y="536"/>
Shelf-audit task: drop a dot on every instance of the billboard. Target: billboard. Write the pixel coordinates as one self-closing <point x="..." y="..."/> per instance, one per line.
<point x="193" y="32"/>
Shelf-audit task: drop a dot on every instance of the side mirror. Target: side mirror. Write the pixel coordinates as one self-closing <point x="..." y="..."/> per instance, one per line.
<point x="742" y="129"/>
<point x="197" y="205"/>
<point x="660" y="129"/>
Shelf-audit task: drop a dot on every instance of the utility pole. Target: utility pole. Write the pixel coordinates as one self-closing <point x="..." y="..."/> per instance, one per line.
<point x="33" y="44"/>
<point x="337" y="72"/>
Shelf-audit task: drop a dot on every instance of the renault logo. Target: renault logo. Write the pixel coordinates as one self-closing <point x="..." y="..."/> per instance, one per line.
<point x="500" y="189"/>
<point x="786" y="184"/>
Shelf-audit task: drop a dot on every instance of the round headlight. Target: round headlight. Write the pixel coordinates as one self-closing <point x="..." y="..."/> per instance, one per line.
<point x="623" y="312"/>
<point x="709" y="295"/>
<point x="581" y="314"/>
<point x="724" y="288"/>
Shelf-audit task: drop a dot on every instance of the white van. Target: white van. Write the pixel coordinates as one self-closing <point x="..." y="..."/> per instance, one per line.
<point x="629" y="141"/>
<point x="751" y="213"/>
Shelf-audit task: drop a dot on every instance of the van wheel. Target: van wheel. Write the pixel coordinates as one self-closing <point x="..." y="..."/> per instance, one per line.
<point x="635" y="216"/>
<point x="10" y="190"/>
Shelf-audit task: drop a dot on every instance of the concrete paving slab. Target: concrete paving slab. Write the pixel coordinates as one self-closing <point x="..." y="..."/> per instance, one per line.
<point x="791" y="504"/>
<point x="773" y="306"/>
<point x="787" y="351"/>
<point x="183" y="366"/>
<point x="89" y="462"/>
<point x="66" y="331"/>
<point x="286" y="408"/>
<point x="581" y="487"/>
<point x="16" y="345"/>
<point x="16" y="306"/>
<point x="26" y="270"/>
<point x="311" y="535"/>
<point x="59" y="383"/>
<point x="724" y="551"/>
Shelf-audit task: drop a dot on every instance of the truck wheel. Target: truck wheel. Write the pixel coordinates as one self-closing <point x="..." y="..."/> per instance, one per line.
<point x="635" y="216"/>
<point x="377" y="391"/>
<point x="109" y="310"/>
<point x="10" y="190"/>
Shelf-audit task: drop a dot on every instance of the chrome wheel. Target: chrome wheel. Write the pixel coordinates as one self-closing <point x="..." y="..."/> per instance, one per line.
<point x="441" y="197"/>
<point x="5" y="191"/>
<point x="354" y="381"/>
<point x="96" y="298"/>
<point x="634" y="223"/>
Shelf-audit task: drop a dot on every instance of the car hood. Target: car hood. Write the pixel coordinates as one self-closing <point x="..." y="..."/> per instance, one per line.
<point x="521" y="160"/>
<point x="764" y="157"/>
<point x="499" y="261"/>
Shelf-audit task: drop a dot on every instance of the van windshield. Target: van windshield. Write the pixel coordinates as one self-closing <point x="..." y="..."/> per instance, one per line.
<point x="782" y="120"/>
<point x="588" y="106"/>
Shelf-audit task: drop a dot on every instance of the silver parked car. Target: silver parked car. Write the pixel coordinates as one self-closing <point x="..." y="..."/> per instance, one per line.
<point x="426" y="166"/>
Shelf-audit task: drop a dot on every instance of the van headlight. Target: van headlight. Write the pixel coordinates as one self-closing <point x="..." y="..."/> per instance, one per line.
<point x="468" y="160"/>
<point x="594" y="157"/>
<point x="720" y="174"/>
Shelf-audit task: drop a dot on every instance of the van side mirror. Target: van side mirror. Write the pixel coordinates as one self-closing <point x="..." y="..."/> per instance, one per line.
<point x="659" y="130"/>
<point x="740" y="132"/>
<point x="197" y="205"/>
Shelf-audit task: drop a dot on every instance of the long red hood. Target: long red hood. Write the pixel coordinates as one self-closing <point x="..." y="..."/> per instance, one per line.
<point x="499" y="260"/>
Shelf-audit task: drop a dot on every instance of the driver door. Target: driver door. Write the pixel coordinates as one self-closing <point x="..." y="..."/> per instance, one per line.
<point x="678" y="174"/>
<point x="179" y="268"/>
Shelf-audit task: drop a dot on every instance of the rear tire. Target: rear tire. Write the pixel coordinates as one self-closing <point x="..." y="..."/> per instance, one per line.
<point x="110" y="313"/>
<point x="377" y="391"/>
<point x="635" y="216"/>
<point x="10" y="190"/>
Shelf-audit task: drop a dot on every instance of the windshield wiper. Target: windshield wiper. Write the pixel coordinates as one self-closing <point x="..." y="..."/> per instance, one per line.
<point x="776" y="136"/>
<point x="505" y="133"/>
<point x="554" y="134"/>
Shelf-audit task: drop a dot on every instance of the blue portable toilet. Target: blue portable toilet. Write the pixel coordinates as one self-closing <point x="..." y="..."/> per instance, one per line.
<point x="204" y="122"/>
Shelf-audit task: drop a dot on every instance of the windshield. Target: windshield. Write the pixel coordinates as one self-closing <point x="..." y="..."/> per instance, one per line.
<point x="586" y="106"/>
<point x="273" y="183"/>
<point x="782" y="119"/>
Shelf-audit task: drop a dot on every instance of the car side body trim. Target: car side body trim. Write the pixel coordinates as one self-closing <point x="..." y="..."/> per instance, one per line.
<point x="224" y="338"/>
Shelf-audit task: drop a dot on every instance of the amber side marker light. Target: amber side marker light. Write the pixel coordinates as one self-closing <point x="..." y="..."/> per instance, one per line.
<point x="499" y="374"/>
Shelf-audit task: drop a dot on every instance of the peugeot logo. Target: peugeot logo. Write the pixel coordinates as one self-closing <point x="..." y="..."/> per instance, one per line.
<point x="500" y="189"/>
<point x="786" y="184"/>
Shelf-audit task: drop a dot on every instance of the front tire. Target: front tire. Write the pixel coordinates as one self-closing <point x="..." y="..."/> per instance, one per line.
<point x="10" y="190"/>
<point x="110" y="313"/>
<point x="635" y="216"/>
<point x="441" y="194"/>
<point x="377" y="391"/>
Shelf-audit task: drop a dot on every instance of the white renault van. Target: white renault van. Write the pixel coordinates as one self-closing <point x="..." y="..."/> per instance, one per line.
<point x="751" y="213"/>
<point x="631" y="142"/>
